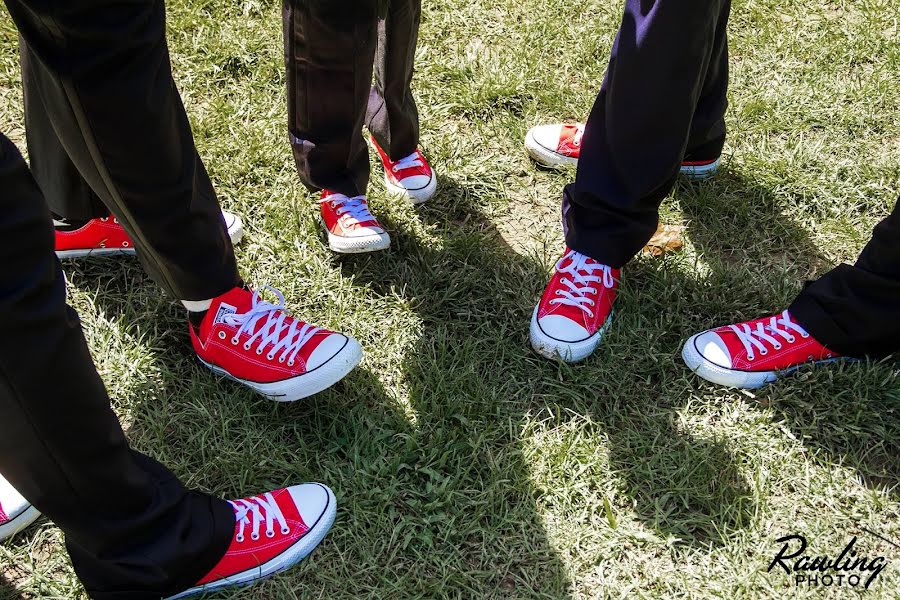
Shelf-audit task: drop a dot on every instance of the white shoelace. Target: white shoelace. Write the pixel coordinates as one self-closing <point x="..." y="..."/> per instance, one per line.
<point x="288" y="339"/>
<point x="576" y="139"/>
<point x="765" y="333"/>
<point x="582" y="276"/>
<point x="407" y="163"/>
<point x="253" y="511"/>
<point x="355" y="208"/>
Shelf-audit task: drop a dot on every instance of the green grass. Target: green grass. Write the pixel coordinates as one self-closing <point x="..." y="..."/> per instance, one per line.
<point x="465" y="465"/>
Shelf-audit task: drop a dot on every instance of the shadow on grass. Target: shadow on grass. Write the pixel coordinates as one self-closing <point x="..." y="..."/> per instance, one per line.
<point x="8" y="591"/>
<point x="475" y="378"/>
<point x="758" y="257"/>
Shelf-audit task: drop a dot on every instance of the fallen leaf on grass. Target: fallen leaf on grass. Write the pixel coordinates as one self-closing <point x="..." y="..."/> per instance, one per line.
<point x="668" y="238"/>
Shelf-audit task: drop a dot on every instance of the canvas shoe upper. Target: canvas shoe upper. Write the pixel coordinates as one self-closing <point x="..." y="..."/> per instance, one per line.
<point x="410" y="176"/>
<point x="560" y="144"/>
<point x="753" y="353"/>
<point x="350" y="225"/>
<point x="272" y="532"/>
<point x="255" y="342"/>
<point x="575" y="308"/>
<point x="105" y="236"/>
<point x="15" y="512"/>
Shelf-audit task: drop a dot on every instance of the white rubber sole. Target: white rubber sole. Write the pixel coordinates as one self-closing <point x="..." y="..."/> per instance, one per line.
<point x="415" y="196"/>
<point x="748" y="380"/>
<point x="302" y="386"/>
<point x="235" y="232"/>
<point x="19" y="522"/>
<point x="546" y="157"/>
<point x="700" y="172"/>
<point x="282" y="562"/>
<point x="570" y="352"/>
<point x="359" y="245"/>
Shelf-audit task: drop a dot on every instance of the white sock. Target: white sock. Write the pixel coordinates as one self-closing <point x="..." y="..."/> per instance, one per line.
<point x="197" y="305"/>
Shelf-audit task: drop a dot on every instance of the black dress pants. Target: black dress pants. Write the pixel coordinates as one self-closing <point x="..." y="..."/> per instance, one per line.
<point x="331" y="49"/>
<point x="132" y="530"/>
<point x="107" y="133"/>
<point x="663" y="101"/>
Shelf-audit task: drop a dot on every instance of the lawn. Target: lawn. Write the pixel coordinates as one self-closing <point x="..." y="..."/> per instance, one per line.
<point x="465" y="465"/>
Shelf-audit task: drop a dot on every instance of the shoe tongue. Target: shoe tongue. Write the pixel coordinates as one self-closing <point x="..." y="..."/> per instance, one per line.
<point x="235" y="301"/>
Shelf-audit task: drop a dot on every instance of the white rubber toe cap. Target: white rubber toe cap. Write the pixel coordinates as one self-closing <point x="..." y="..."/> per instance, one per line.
<point x="12" y="501"/>
<point x="563" y="329"/>
<point x="234" y="225"/>
<point x="547" y="135"/>
<point x="712" y="348"/>
<point x="312" y="501"/>
<point x="360" y="232"/>
<point x="328" y="349"/>
<point x="415" y="182"/>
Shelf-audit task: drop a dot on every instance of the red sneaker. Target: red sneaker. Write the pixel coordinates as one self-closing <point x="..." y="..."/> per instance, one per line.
<point x="576" y="308"/>
<point x="351" y="227"/>
<point x="272" y="533"/>
<point x="752" y="354"/>
<point x="105" y="236"/>
<point x="560" y="145"/>
<point x="15" y="512"/>
<point x="411" y="176"/>
<point x="257" y="343"/>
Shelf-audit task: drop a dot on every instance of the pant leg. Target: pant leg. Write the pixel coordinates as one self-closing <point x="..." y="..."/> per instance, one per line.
<point x="101" y="69"/>
<point x="392" y="116"/>
<point x="131" y="529"/>
<point x="329" y="53"/>
<point x="638" y="130"/>
<point x="855" y="310"/>
<point x="707" y="134"/>
<point x="66" y="192"/>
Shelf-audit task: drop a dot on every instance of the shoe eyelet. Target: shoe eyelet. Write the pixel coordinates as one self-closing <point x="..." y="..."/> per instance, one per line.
<point x="559" y="292"/>
<point x="764" y="352"/>
<point x="751" y="357"/>
<point x="259" y="351"/>
<point x="791" y="340"/>
<point x="125" y="244"/>
<point x="270" y="356"/>
<point x="221" y="335"/>
<point x="239" y="538"/>
<point x="778" y="347"/>
<point x="254" y="536"/>
<point x="281" y="359"/>
<point x="270" y="534"/>
<point x="291" y="363"/>
<point x="234" y="341"/>
<point x="116" y="221"/>
<point x="246" y="346"/>
<point x="104" y="219"/>
<point x="804" y="335"/>
<point x="590" y="314"/>
<point x="285" y="530"/>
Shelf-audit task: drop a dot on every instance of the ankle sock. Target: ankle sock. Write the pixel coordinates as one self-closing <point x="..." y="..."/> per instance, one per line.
<point x="197" y="309"/>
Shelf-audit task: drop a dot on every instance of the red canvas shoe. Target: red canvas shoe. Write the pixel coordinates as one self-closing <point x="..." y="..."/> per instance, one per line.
<point x="576" y="308"/>
<point x="15" y="512"/>
<point x="560" y="145"/>
<point x="752" y="354"/>
<point x="351" y="227"/>
<point x="105" y="236"/>
<point x="255" y="342"/>
<point x="272" y="533"/>
<point x="411" y="176"/>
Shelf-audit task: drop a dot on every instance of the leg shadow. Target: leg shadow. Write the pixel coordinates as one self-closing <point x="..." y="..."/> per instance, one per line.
<point x="757" y="258"/>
